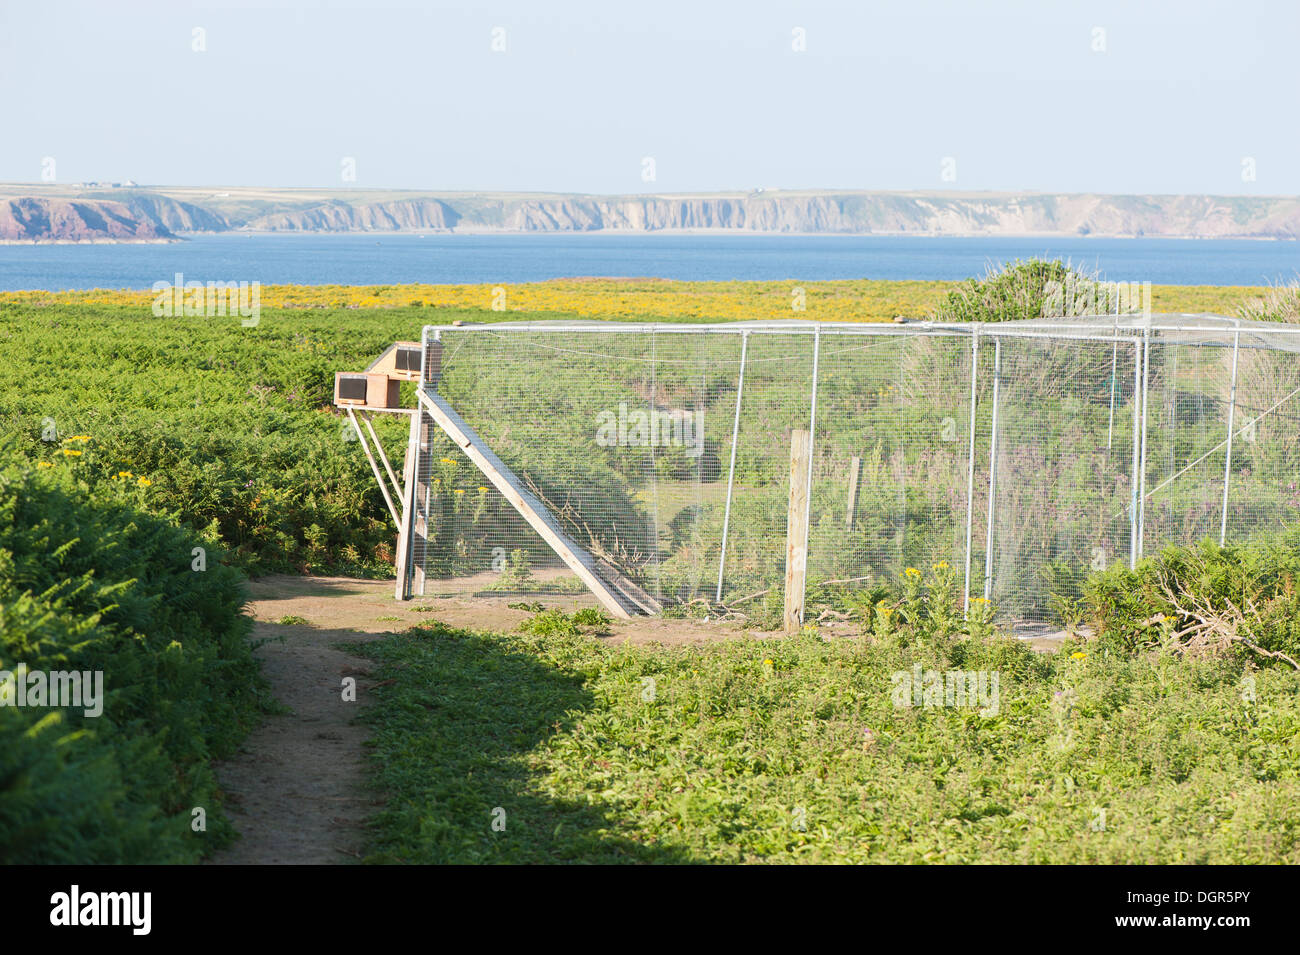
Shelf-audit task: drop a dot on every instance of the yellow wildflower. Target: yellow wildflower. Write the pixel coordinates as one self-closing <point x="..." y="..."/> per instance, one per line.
<point x="68" y="452"/>
<point x="1078" y="656"/>
<point x="144" y="482"/>
<point x="460" y="490"/>
<point x="446" y="460"/>
<point x="83" y="438"/>
<point x="44" y="464"/>
<point x="912" y="572"/>
<point x="125" y="474"/>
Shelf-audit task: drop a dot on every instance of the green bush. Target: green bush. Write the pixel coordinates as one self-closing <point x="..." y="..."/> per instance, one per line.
<point x="1250" y="589"/>
<point x="89" y="581"/>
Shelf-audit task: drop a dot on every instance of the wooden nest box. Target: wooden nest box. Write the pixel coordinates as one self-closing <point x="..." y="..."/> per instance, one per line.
<point x="401" y="360"/>
<point x="366" y="390"/>
<point x="379" y="386"/>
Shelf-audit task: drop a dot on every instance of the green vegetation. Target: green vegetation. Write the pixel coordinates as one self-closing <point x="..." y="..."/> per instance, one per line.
<point x="229" y="428"/>
<point x="1171" y="734"/>
<point x="1091" y="757"/>
<point x="90" y="580"/>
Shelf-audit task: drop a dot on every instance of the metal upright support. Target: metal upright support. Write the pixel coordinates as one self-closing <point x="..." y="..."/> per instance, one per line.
<point x="1114" y="382"/>
<point x="993" y="468"/>
<point x="1142" y="467"/>
<point x="1137" y="444"/>
<point x="812" y="445"/>
<point x="970" y="463"/>
<point x="731" y="471"/>
<point x="1227" y="460"/>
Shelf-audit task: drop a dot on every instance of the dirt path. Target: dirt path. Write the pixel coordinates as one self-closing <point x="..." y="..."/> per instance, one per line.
<point x="296" y="791"/>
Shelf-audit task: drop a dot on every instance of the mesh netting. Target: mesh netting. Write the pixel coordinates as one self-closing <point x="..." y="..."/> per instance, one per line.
<point x="625" y="435"/>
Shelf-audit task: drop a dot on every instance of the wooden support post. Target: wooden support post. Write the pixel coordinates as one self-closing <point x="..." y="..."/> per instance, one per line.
<point x="855" y="476"/>
<point x="422" y="475"/>
<point x="405" y="551"/>
<point x="398" y="489"/>
<point x="796" y="530"/>
<point x="374" y="469"/>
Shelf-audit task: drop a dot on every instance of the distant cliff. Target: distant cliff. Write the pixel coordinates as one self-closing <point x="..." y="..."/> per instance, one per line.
<point x="154" y="214"/>
<point x="33" y="219"/>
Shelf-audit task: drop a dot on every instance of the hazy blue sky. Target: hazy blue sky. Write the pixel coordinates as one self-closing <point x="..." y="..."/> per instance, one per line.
<point x="1014" y="92"/>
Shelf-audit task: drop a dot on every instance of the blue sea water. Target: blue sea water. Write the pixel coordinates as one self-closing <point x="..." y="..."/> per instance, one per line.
<point x="382" y="259"/>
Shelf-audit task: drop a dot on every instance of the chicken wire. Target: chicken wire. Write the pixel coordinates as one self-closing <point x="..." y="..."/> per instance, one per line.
<point x="1089" y="441"/>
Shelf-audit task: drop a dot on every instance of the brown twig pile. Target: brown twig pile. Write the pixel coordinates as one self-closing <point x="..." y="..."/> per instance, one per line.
<point x="1204" y="627"/>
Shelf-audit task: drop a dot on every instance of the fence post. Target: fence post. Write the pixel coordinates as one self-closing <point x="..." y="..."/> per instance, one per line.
<point x="1114" y="381"/>
<point x="1142" y="491"/>
<point x="731" y="471"/>
<point x="855" y="478"/>
<point x="812" y="435"/>
<point x="1227" y="461"/>
<point x="405" y="546"/>
<point x="796" y="529"/>
<point x="970" y="464"/>
<point x="1137" y="443"/>
<point x="993" y="467"/>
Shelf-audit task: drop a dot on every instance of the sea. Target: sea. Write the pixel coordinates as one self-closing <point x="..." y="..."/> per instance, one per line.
<point x="386" y="259"/>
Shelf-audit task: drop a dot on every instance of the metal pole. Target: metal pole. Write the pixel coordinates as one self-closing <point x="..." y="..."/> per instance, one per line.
<point x="993" y="468"/>
<point x="1137" y="442"/>
<point x="970" y="463"/>
<point x="1227" y="461"/>
<point x="731" y="472"/>
<point x="1114" y="372"/>
<point x="1146" y="392"/>
<point x="812" y="446"/>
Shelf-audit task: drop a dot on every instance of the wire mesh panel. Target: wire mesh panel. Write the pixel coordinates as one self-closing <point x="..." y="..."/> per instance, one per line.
<point x="1188" y="390"/>
<point x="890" y="453"/>
<point x="1264" y="476"/>
<point x="1062" y="482"/>
<point x="579" y="423"/>
<point x="776" y="401"/>
<point x="663" y="453"/>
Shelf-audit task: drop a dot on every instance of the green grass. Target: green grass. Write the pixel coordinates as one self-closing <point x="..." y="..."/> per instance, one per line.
<point x="729" y="755"/>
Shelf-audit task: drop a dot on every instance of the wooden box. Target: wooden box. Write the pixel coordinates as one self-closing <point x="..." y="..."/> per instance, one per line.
<point x="383" y="391"/>
<point x="367" y="390"/>
<point x="350" y="389"/>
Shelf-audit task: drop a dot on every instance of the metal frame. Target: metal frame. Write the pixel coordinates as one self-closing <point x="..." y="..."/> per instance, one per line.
<point x="731" y="470"/>
<point x="970" y="464"/>
<point x="1227" y="458"/>
<point x="1141" y="330"/>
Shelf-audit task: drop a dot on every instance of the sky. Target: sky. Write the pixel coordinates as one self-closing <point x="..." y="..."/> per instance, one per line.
<point x="620" y="97"/>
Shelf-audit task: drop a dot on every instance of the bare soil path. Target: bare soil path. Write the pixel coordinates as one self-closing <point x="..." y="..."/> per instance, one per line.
<point x="296" y="791"/>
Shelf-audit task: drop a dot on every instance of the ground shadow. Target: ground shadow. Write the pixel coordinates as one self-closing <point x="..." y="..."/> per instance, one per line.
<point x="455" y="718"/>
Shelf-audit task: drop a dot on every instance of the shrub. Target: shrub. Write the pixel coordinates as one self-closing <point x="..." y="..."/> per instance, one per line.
<point x="92" y="582"/>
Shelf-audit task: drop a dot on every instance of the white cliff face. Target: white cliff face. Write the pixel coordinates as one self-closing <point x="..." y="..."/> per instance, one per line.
<point x="149" y="214"/>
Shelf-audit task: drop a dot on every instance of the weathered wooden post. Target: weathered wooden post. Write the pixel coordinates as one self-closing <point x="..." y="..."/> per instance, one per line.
<point x="796" y="530"/>
<point x="855" y="477"/>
